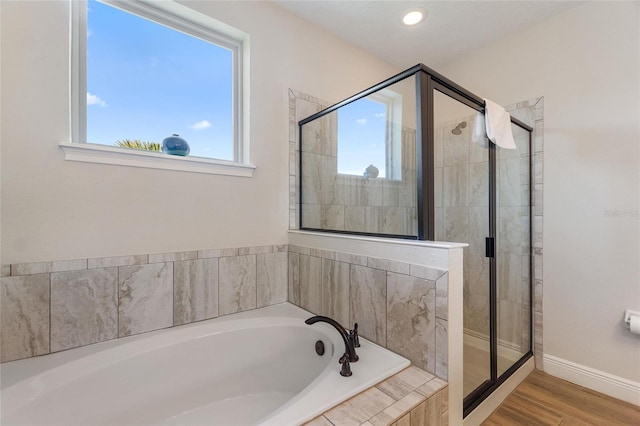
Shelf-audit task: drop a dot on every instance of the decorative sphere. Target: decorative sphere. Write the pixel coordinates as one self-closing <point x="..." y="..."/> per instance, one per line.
<point x="175" y="145"/>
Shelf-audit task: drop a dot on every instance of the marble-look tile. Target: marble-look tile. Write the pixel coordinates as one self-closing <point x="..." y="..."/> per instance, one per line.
<point x="332" y="217"/>
<point x="537" y="266"/>
<point x="407" y="189"/>
<point x="359" y="191"/>
<point x="479" y="184"/>
<point x="195" y="290"/>
<point x="397" y="410"/>
<point x="390" y="193"/>
<point x="537" y="168"/>
<point x="24" y="316"/>
<point x="108" y="262"/>
<point x="426" y="272"/>
<point x="409" y="149"/>
<point x="293" y="292"/>
<point x="411" y="319"/>
<point x="510" y="230"/>
<point x="509" y="276"/>
<point x="455" y="147"/>
<point x="455" y="225"/>
<point x="442" y="297"/>
<point x="244" y="251"/>
<point x="394" y="220"/>
<point x="431" y="387"/>
<point x="438" y="186"/>
<point x="537" y="231"/>
<point x="389" y="265"/>
<point x="311" y="216"/>
<point x="478" y="227"/>
<point x="417" y="415"/>
<point x="319" y="421"/>
<point x="173" y="257"/>
<point x="18" y="269"/>
<point x="368" y="296"/>
<point x="476" y="313"/>
<point x="311" y="183"/>
<point x="208" y="254"/>
<point x="508" y="182"/>
<point x="237" y="284"/>
<point x="331" y="186"/>
<point x="311" y="283"/>
<point x="509" y="322"/>
<point x="84" y="307"/>
<point x="442" y="348"/>
<point x="272" y="278"/>
<point x="455" y="186"/>
<point x="476" y="271"/>
<point x="335" y="290"/>
<point x="145" y="298"/>
<point x="354" y="219"/>
<point x="324" y="254"/>
<point x="537" y="295"/>
<point x="438" y="147"/>
<point x="354" y="259"/>
<point x="359" y="408"/>
<point x="6" y="271"/>
<point x="395" y="388"/>
<point x="414" y="376"/>
<point x="299" y="249"/>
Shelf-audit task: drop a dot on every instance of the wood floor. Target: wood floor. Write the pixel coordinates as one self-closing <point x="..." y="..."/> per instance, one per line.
<point x="546" y="400"/>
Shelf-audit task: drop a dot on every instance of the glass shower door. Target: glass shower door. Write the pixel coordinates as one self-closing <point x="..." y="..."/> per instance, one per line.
<point x="461" y="169"/>
<point x="513" y="250"/>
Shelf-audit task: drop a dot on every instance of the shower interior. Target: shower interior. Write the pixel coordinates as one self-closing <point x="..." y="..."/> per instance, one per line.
<point x="407" y="159"/>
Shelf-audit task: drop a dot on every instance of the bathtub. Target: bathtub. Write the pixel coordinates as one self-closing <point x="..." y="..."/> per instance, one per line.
<point x="253" y="368"/>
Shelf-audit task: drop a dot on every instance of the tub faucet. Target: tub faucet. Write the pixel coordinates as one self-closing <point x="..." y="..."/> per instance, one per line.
<point x="349" y="349"/>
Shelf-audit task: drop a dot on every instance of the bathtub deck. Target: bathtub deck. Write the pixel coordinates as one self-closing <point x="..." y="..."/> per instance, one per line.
<point x="411" y="397"/>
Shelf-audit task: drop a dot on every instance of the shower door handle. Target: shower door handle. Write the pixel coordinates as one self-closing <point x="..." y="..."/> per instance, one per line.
<point x="490" y="247"/>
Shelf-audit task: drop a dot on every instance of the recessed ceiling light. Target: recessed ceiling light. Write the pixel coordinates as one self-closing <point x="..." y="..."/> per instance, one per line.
<point x="413" y="17"/>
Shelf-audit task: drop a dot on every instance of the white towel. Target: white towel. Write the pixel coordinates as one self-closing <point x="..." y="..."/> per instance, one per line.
<point x="479" y="132"/>
<point x="498" y="123"/>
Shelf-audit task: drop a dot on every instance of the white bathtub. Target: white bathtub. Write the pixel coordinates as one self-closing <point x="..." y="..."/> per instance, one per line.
<point x="256" y="367"/>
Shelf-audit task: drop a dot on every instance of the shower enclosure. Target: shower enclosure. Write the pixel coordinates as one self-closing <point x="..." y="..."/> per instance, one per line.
<point x="408" y="158"/>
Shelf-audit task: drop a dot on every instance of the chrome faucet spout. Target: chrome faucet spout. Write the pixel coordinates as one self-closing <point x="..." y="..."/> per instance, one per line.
<point x="348" y="342"/>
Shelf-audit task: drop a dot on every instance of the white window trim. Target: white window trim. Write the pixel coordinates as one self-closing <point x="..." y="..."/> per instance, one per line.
<point x="190" y="22"/>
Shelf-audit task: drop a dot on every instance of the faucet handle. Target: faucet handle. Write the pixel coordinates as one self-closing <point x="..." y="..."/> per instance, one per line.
<point x="353" y="335"/>
<point x="345" y="371"/>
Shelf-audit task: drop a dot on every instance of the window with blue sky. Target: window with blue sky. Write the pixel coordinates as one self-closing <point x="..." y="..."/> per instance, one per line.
<point x="362" y="137"/>
<point x="147" y="81"/>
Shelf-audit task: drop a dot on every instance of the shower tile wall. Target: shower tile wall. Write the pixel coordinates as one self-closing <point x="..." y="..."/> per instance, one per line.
<point x="400" y="306"/>
<point x="345" y="202"/>
<point x="52" y="306"/>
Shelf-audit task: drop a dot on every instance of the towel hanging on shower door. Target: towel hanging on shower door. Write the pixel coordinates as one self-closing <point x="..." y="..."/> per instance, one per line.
<point x="498" y="125"/>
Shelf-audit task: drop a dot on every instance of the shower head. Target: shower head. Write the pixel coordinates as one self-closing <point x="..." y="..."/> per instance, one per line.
<point x="461" y="125"/>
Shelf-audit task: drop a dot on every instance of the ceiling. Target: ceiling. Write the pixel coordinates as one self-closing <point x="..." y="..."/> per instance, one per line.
<point x="451" y="29"/>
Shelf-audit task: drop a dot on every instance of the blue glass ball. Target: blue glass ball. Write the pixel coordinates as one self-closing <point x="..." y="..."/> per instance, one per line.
<point x="175" y="145"/>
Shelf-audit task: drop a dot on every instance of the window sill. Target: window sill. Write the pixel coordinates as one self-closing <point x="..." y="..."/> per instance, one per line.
<point x="92" y="153"/>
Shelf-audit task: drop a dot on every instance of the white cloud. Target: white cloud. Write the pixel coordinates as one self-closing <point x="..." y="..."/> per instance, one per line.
<point x="95" y="100"/>
<point x="200" y="125"/>
<point x="381" y="114"/>
<point x="361" y="121"/>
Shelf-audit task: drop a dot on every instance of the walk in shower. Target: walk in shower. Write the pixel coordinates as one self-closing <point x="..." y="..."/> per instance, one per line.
<point x="409" y="158"/>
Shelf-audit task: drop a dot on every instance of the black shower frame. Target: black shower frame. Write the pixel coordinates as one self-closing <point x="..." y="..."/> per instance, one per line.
<point x="427" y="82"/>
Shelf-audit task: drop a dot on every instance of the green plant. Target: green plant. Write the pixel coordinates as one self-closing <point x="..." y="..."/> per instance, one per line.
<point x="138" y="144"/>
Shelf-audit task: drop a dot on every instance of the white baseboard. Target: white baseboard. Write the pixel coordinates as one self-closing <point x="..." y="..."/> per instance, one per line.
<point x="596" y="380"/>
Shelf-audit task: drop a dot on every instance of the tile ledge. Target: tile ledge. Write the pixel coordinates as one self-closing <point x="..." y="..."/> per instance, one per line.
<point x="397" y="241"/>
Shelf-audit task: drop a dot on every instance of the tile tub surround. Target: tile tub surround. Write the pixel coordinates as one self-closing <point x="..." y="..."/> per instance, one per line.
<point x="400" y="306"/>
<point x="53" y="306"/>
<point x="412" y="397"/>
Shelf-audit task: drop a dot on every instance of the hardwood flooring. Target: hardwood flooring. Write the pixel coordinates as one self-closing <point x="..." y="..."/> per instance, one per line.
<point x="544" y="400"/>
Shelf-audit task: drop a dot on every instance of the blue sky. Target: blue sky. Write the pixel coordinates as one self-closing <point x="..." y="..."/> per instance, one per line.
<point x="145" y="81"/>
<point x="361" y="137"/>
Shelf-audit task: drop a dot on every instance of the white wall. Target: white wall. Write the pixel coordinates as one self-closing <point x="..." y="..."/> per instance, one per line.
<point x="585" y="62"/>
<point x="54" y="209"/>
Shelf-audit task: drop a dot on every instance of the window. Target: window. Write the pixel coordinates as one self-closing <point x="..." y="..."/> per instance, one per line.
<point x="369" y="135"/>
<point x="144" y="71"/>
